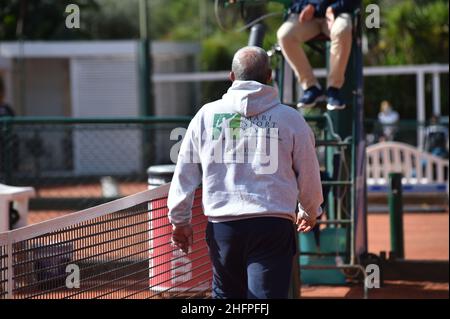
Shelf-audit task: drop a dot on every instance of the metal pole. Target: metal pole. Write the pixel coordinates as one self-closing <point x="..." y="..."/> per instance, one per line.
<point x="145" y="68"/>
<point x="257" y="33"/>
<point x="396" y="214"/>
<point x="21" y="63"/>
<point x="420" y="96"/>
<point x="144" y="73"/>
<point x="436" y="94"/>
<point x="359" y="199"/>
<point x="288" y="82"/>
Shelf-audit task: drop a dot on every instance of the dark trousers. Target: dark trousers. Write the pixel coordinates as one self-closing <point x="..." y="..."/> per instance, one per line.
<point x="251" y="258"/>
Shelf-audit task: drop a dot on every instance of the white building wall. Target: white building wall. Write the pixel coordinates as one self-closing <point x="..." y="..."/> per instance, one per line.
<point x="44" y="91"/>
<point x="105" y="87"/>
<point x="99" y="79"/>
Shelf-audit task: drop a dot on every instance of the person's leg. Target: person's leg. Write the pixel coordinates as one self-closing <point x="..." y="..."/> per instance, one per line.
<point x="271" y="248"/>
<point x="227" y="252"/>
<point x="341" y="44"/>
<point x="291" y="35"/>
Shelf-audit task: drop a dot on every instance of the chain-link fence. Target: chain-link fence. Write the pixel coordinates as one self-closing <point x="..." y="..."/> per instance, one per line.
<point x="77" y="163"/>
<point x="405" y="131"/>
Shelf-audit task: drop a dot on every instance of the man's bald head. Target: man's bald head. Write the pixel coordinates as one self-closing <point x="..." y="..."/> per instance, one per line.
<point x="251" y="64"/>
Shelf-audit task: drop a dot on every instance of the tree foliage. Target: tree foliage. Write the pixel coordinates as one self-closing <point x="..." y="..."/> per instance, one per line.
<point x="412" y="32"/>
<point x="41" y="19"/>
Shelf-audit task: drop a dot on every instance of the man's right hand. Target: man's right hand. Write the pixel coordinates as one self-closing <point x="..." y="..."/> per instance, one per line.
<point x="307" y="13"/>
<point x="182" y="237"/>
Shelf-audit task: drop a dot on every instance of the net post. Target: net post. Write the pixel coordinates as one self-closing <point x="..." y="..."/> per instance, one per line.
<point x="396" y="214"/>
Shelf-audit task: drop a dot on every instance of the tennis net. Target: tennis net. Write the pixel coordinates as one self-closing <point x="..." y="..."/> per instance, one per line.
<point x="120" y="249"/>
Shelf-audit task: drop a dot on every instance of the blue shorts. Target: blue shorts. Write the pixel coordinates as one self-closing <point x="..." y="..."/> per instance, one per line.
<point x="251" y="258"/>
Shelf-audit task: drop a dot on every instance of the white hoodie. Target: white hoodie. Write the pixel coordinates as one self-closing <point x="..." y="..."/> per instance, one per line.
<point x="240" y="181"/>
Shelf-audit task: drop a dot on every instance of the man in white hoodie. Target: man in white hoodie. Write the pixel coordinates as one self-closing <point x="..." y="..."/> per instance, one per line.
<point x="256" y="161"/>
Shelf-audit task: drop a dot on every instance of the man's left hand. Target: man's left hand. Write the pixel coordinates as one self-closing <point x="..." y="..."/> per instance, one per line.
<point x="329" y="15"/>
<point x="182" y="237"/>
<point x="305" y="225"/>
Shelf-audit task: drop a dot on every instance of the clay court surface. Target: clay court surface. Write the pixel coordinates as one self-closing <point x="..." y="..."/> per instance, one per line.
<point x="390" y="290"/>
<point x="426" y="238"/>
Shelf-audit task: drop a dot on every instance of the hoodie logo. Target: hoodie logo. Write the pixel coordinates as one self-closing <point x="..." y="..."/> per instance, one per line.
<point x="237" y="139"/>
<point x="227" y="120"/>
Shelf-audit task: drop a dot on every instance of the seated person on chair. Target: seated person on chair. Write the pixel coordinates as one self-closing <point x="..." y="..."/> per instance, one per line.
<point x="436" y="138"/>
<point x="308" y="19"/>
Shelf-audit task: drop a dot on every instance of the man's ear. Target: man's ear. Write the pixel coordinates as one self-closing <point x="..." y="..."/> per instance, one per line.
<point x="232" y="77"/>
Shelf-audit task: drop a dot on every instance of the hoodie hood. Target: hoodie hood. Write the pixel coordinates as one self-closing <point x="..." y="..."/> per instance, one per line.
<point x="251" y="98"/>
